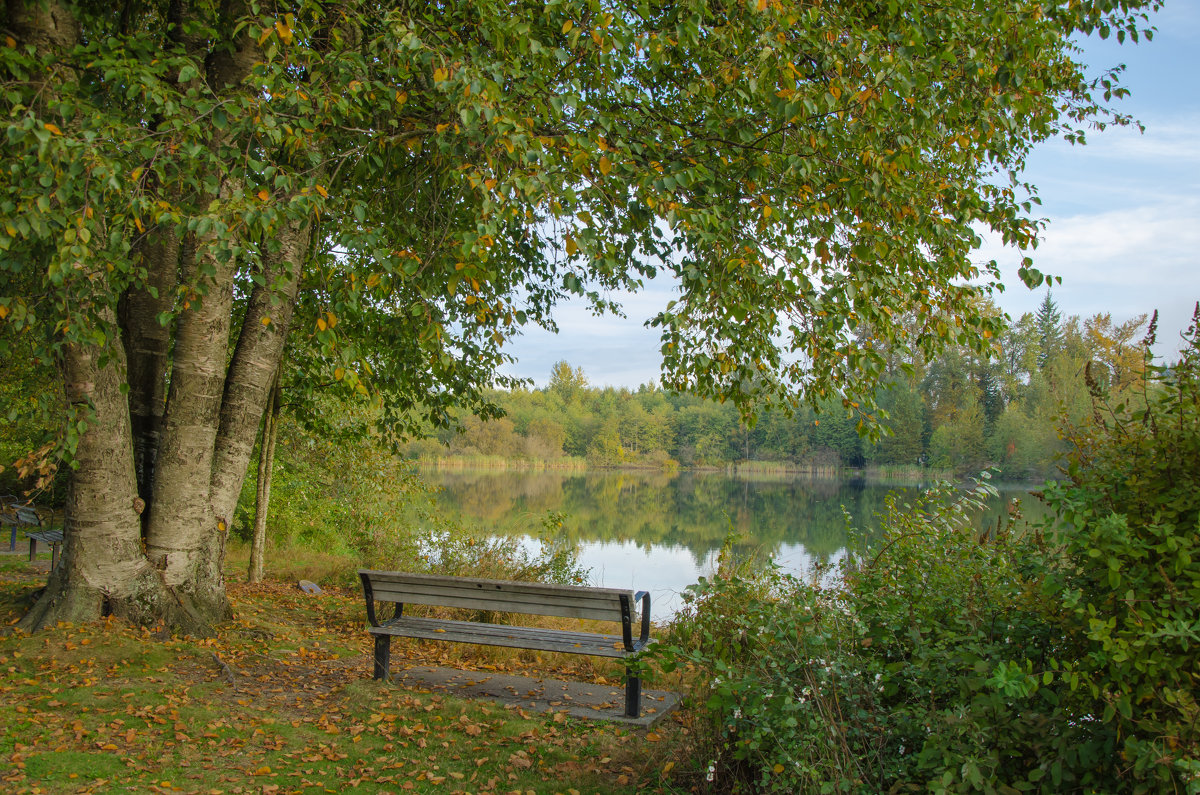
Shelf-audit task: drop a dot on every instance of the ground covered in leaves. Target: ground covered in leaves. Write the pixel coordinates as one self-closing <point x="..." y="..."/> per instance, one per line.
<point x="281" y="701"/>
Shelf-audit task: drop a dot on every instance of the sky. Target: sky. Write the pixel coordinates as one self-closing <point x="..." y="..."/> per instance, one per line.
<point x="1123" y="212"/>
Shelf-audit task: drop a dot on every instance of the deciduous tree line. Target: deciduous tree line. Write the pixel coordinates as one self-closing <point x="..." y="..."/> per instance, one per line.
<point x="962" y="411"/>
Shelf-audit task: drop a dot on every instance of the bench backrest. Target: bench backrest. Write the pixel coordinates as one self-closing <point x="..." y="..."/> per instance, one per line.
<point x="567" y="601"/>
<point x="19" y="515"/>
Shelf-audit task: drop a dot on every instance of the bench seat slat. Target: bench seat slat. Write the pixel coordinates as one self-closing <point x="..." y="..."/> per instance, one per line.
<point x="501" y="635"/>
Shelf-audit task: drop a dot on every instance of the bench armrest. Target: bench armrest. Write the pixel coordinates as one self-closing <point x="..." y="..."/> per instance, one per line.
<point x="627" y="620"/>
<point x="644" y="598"/>
<point x="369" y="594"/>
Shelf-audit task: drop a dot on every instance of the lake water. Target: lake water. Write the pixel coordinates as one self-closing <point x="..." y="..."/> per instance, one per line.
<point x="660" y="532"/>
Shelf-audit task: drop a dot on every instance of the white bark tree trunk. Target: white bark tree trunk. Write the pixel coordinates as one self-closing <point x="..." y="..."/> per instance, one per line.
<point x="262" y="502"/>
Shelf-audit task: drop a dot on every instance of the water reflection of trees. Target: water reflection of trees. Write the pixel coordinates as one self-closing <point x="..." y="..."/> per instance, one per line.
<point x="692" y="510"/>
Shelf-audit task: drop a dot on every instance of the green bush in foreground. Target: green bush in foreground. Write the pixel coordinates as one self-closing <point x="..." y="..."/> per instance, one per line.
<point x="900" y="680"/>
<point x="1055" y="658"/>
<point x="1128" y="537"/>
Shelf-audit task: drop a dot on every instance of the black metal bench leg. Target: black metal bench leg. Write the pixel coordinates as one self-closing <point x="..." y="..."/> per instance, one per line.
<point x="32" y="550"/>
<point x="383" y="656"/>
<point x="633" y="695"/>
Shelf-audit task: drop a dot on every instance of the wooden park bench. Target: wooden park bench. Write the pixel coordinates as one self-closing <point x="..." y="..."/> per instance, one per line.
<point x="52" y="538"/>
<point x="15" y="515"/>
<point x="502" y="596"/>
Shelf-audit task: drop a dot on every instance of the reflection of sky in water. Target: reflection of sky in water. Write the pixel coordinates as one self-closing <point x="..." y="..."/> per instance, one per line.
<point x="664" y="571"/>
<point x="661" y="532"/>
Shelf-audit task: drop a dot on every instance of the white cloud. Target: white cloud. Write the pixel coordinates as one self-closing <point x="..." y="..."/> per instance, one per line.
<point x="1124" y="261"/>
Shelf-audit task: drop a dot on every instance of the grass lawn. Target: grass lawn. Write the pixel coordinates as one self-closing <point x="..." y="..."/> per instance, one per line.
<point x="282" y="702"/>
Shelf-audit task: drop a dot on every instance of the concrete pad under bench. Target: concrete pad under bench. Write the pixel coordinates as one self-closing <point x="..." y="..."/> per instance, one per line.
<point x="537" y="695"/>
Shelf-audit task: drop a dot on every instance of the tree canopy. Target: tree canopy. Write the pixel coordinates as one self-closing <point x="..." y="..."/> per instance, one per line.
<point x="400" y="188"/>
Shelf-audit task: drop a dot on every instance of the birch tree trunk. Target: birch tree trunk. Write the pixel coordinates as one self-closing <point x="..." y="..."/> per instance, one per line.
<point x="262" y="502"/>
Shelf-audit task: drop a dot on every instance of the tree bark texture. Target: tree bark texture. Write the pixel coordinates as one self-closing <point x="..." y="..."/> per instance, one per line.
<point x="147" y="346"/>
<point x="103" y="570"/>
<point x="262" y="502"/>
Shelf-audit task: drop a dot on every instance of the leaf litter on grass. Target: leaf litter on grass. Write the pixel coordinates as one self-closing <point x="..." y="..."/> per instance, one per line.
<point x="278" y="702"/>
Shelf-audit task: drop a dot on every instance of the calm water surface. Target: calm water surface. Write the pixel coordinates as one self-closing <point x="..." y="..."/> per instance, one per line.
<point x="661" y="532"/>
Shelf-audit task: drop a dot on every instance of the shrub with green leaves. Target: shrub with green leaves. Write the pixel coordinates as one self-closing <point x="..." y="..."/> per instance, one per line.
<point x="1058" y="657"/>
<point x="935" y="666"/>
<point x="1127" y="569"/>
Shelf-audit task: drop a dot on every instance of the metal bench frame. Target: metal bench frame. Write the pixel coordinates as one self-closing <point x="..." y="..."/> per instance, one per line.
<point x="503" y="596"/>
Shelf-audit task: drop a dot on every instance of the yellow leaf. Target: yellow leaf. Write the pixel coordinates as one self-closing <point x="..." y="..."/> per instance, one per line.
<point x="338" y="374"/>
<point x="262" y="194"/>
<point x="767" y="211"/>
<point x="136" y="174"/>
<point x="440" y="74"/>
<point x="667" y="767"/>
<point x="653" y="737"/>
<point x="402" y="97"/>
<point x="321" y="324"/>
<point x="266" y="321"/>
<point x="53" y="128"/>
<point x="138" y="223"/>
<point x="777" y="769"/>
<point x="605" y="165"/>
<point x="321" y="190"/>
<point x="9" y="41"/>
<point x="331" y="319"/>
<point x="262" y="771"/>
<point x="567" y="26"/>
<point x="285" y="33"/>
<point x="572" y="246"/>
<point x="443" y="127"/>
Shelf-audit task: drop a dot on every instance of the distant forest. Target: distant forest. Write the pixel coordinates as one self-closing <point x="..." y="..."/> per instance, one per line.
<point x="961" y="412"/>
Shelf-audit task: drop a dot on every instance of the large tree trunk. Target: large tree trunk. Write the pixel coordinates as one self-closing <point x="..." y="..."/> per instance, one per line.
<point x="103" y="570"/>
<point x="147" y="345"/>
<point x="185" y="535"/>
